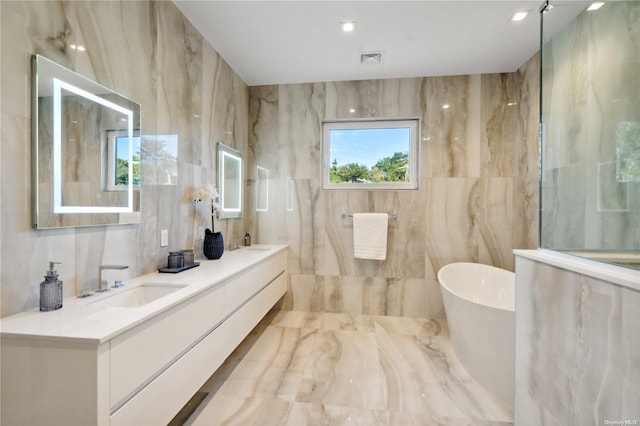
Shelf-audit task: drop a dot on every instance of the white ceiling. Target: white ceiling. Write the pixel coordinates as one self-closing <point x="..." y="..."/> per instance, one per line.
<point x="282" y="42"/>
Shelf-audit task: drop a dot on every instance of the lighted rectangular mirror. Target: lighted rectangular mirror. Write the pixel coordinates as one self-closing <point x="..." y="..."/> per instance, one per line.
<point x="230" y="181"/>
<point x="86" y="151"/>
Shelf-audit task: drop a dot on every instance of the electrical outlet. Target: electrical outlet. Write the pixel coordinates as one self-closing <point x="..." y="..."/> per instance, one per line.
<point x="164" y="238"/>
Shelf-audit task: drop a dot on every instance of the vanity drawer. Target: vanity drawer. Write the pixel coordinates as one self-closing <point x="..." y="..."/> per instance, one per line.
<point x="139" y="354"/>
<point x="241" y="287"/>
<point x="168" y="392"/>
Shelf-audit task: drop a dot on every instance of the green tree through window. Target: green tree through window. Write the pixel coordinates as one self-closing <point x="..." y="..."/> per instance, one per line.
<point x="122" y="165"/>
<point x="388" y="169"/>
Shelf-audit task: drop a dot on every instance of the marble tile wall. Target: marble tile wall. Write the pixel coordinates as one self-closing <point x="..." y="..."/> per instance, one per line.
<point x="477" y="199"/>
<point x="588" y="117"/>
<point x="478" y="193"/>
<point x="577" y="343"/>
<point x="577" y="348"/>
<point x="149" y="52"/>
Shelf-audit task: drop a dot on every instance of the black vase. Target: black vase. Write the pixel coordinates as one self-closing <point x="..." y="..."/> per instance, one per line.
<point x="213" y="245"/>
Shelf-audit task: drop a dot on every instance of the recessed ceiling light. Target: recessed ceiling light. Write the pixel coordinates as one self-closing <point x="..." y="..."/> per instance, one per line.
<point x="595" y="6"/>
<point x="519" y="16"/>
<point x="445" y="106"/>
<point x="352" y="110"/>
<point x="348" y="27"/>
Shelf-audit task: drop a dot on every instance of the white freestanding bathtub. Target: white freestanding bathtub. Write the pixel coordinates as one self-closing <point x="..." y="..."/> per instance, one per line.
<point x="479" y="301"/>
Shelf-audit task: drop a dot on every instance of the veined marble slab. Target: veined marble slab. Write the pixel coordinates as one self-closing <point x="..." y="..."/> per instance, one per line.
<point x="477" y="199"/>
<point x="322" y="368"/>
<point x="577" y="345"/>
<point x="149" y="52"/>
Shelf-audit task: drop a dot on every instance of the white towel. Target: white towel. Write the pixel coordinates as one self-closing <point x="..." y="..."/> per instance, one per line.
<point x="370" y="235"/>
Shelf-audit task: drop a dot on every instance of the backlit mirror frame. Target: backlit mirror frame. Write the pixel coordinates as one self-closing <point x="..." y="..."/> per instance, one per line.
<point x="50" y="83"/>
<point x="230" y="181"/>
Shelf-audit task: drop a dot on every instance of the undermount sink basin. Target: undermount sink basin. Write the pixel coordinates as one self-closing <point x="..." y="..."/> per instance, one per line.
<point x="138" y="296"/>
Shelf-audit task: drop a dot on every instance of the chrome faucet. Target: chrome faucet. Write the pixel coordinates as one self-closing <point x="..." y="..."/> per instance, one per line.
<point x="104" y="285"/>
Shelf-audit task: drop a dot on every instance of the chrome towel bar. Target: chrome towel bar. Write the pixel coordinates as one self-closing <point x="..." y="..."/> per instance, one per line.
<point x="392" y="216"/>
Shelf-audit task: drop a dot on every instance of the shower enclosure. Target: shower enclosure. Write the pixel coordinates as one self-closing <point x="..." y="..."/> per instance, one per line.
<point x="590" y="130"/>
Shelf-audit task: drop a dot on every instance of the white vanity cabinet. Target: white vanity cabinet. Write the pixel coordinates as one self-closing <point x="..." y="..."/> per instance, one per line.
<point x="141" y="374"/>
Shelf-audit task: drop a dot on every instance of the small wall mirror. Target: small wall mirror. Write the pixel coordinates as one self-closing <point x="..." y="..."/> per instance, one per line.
<point x="86" y="151"/>
<point x="229" y="181"/>
<point x="262" y="189"/>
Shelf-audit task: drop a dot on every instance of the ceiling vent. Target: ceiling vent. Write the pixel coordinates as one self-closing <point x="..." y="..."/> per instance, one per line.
<point x="371" y="58"/>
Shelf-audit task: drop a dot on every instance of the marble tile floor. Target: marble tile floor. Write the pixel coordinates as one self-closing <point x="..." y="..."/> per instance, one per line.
<point x="314" y="368"/>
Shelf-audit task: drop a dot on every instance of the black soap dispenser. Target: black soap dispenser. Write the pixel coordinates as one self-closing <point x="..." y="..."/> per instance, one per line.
<point x="51" y="290"/>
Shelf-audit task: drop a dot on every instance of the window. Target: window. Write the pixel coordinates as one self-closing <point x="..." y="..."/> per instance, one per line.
<point x="118" y="160"/>
<point x="370" y="154"/>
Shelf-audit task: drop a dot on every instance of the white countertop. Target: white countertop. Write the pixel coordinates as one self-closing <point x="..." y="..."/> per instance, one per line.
<point x="626" y="277"/>
<point x="83" y="320"/>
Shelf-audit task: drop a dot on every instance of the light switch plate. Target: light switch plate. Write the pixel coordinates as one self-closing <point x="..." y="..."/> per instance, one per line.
<point x="164" y="238"/>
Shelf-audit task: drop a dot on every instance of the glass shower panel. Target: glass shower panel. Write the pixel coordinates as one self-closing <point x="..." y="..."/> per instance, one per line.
<point x="590" y="131"/>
